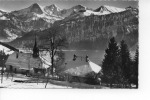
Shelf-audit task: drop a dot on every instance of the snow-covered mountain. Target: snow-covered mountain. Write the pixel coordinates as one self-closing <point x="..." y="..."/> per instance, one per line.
<point x="2" y="15"/>
<point x="93" y="31"/>
<point x="52" y="10"/>
<point x="33" y="8"/>
<point x="35" y="12"/>
<point x="17" y="23"/>
<point x="84" y="11"/>
<point x="2" y="12"/>
<point x="109" y="9"/>
<point x="53" y="13"/>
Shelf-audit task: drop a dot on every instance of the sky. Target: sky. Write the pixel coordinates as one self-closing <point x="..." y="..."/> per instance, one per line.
<point x="11" y="5"/>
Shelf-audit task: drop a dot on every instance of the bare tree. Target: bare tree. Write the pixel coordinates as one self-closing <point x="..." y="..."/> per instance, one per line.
<point x="53" y="42"/>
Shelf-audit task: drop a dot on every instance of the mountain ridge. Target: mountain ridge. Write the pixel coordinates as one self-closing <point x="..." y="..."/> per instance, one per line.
<point x="80" y="24"/>
<point x="93" y="32"/>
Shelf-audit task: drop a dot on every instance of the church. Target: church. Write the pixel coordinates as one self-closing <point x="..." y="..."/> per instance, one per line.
<point x="20" y="62"/>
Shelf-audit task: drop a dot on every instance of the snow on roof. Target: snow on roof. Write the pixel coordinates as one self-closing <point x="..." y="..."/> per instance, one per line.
<point x="79" y="71"/>
<point x="82" y="68"/>
<point x="96" y="68"/>
<point x="6" y="50"/>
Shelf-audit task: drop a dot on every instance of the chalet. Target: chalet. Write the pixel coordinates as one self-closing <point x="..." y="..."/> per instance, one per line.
<point x="78" y="70"/>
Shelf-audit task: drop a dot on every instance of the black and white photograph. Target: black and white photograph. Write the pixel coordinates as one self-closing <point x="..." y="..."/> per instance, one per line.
<point x="69" y="44"/>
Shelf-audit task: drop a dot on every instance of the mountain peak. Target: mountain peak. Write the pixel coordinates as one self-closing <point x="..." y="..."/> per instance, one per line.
<point x="101" y="9"/>
<point x="79" y="7"/>
<point x="35" y="5"/>
<point x="110" y="9"/>
<point x="35" y="8"/>
<point x="52" y="7"/>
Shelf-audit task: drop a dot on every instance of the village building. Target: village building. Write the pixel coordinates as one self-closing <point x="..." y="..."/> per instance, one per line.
<point x="27" y="62"/>
<point x="79" y="69"/>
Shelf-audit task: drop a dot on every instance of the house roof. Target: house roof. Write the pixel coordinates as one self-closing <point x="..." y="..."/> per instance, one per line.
<point x="81" y="68"/>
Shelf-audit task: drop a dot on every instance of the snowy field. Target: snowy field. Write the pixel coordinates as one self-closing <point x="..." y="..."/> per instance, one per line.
<point x="9" y="83"/>
<point x="24" y="82"/>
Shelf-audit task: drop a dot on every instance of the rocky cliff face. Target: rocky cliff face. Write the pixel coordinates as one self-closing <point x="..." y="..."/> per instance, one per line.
<point x="93" y="32"/>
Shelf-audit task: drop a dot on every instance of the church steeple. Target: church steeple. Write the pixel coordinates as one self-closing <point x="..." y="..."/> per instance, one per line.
<point x="35" y="49"/>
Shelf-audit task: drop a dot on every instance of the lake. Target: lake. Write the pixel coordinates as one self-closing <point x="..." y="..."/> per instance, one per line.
<point x="95" y="56"/>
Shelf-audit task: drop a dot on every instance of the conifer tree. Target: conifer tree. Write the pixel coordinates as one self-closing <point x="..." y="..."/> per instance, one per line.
<point x="3" y="58"/>
<point x="110" y="62"/>
<point x="125" y="63"/>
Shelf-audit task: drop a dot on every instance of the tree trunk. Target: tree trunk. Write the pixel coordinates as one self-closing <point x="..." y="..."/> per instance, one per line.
<point x="47" y="78"/>
<point x="52" y="61"/>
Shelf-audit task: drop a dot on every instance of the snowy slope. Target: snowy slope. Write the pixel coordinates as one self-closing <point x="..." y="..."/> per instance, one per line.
<point x="114" y="9"/>
<point x="90" y="12"/>
<point x="52" y="9"/>
<point x="48" y="18"/>
<point x="49" y="14"/>
<point x="3" y="18"/>
<point x="11" y="36"/>
<point x="2" y="12"/>
<point x="103" y="10"/>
